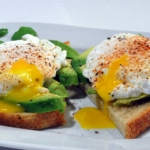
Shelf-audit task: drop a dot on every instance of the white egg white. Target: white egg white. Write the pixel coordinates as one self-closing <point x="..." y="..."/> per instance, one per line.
<point x="47" y="57"/>
<point x="135" y="77"/>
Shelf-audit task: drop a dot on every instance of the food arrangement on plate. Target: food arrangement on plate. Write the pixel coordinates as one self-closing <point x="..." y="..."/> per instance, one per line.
<point x="34" y="74"/>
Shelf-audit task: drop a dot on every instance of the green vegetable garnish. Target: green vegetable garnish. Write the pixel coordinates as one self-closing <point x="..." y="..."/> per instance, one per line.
<point x="79" y="64"/>
<point x="71" y="53"/>
<point x="67" y="76"/>
<point x="56" y="88"/>
<point x="3" y="32"/>
<point x="130" y="101"/>
<point x="1" y="42"/>
<point x="91" y="91"/>
<point x="140" y="34"/>
<point x="22" y="31"/>
<point x="79" y="71"/>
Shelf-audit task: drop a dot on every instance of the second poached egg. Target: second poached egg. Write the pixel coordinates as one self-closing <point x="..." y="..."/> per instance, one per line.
<point x="119" y="67"/>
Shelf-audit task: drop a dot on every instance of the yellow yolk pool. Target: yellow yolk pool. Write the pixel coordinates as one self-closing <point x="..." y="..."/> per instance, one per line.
<point x="90" y="117"/>
<point x="27" y="88"/>
<point x="8" y="107"/>
<point x="93" y="118"/>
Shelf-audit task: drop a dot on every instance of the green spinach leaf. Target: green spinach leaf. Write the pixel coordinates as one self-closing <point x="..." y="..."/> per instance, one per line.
<point x="1" y="42"/>
<point x="22" y="31"/>
<point x="3" y="32"/>
<point x="71" y="53"/>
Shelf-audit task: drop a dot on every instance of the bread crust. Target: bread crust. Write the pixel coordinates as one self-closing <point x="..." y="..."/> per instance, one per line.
<point x="140" y="123"/>
<point x="130" y="120"/>
<point x="35" y="121"/>
<point x="135" y="120"/>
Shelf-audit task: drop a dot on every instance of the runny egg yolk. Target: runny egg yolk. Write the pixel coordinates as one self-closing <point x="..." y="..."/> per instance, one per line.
<point x="32" y="80"/>
<point x="90" y="117"/>
<point x="106" y="83"/>
<point x="27" y="88"/>
<point x="8" y="107"/>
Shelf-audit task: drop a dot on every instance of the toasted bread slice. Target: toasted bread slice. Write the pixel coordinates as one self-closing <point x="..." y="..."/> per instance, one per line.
<point x="35" y="121"/>
<point x="130" y="120"/>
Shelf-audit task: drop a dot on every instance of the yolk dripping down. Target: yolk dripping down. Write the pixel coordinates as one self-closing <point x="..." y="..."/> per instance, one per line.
<point x="106" y="83"/>
<point x="32" y="79"/>
<point x="90" y="117"/>
<point x="27" y="88"/>
<point x="8" y="107"/>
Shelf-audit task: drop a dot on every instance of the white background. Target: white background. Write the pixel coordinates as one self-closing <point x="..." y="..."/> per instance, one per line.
<point x="106" y="14"/>
<point x="131" y="15"/>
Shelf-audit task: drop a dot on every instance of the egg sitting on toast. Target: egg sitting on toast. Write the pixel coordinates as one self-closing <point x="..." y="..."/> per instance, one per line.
<point x="119" y="67"/>
<point x="25" y="65"/>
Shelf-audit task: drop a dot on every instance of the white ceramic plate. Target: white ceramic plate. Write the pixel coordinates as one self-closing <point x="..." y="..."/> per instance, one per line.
<point x="70" y="136"/>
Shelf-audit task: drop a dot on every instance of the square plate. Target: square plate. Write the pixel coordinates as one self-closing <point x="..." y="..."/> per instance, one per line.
<point x="70" y="136"/>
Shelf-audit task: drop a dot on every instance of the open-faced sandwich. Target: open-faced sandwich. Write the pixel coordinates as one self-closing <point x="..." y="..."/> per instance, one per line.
<point x="30" y="95"/>
<point x="118" y="70"/>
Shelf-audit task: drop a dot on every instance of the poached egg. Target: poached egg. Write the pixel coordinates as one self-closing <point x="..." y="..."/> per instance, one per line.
<point x="24" y="66"/>
<point x="119" y="67"/>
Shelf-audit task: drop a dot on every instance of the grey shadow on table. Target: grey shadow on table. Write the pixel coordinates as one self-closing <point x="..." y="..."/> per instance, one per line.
<point x="75" y="95"/>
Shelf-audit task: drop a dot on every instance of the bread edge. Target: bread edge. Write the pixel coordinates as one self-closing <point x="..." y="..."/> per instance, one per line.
<point x="134" y="127"/>
<point x="34" y="121"/>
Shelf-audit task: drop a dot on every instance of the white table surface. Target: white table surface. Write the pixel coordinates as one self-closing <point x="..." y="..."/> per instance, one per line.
<point x="106" y="14"/>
